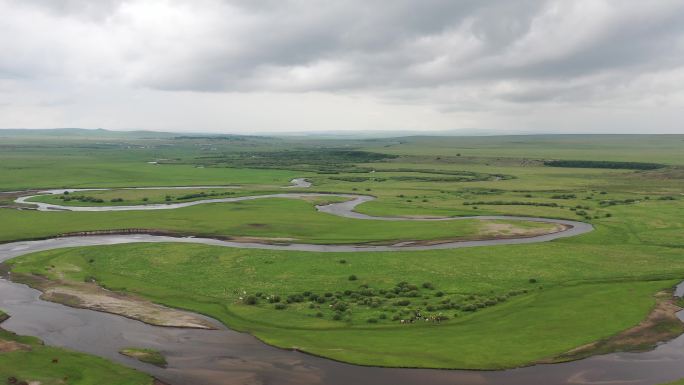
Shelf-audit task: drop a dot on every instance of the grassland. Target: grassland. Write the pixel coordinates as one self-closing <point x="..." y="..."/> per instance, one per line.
<point x="275" y="219"/>
<point x="124" y="197"/>
<point x="491" y="307"/>
<point x="27" y="360"/>
<point x="148" y="356"/>
<point x="549" y="298"/>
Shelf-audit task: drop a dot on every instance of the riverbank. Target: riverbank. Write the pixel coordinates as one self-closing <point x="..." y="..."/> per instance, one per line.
<point x="27" y="360"/>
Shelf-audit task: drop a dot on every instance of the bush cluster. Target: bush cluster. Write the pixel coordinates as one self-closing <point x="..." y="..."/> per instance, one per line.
<point x="404" y="302"/>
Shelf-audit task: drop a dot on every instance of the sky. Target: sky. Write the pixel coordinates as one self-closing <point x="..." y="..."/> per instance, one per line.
<point x="251" y="66"/>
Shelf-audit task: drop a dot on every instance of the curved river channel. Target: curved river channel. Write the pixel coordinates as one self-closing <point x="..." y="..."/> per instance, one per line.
<point x="223" y="356"/>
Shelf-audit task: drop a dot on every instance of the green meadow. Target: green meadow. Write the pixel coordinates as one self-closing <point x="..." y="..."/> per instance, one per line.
<point x="477" y="308"/>
<point x="274" y="218"/>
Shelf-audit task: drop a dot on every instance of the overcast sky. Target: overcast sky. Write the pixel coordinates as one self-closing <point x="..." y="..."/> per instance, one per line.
<point x="275" y="65"/>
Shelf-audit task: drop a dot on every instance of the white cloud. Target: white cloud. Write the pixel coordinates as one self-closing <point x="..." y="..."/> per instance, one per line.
<point x="454" y="64"/>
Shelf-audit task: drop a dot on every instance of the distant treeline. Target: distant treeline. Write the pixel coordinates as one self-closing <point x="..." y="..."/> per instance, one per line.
<point x="221" y="137"/>
<point x="407" y="178"/>
<point x="510" y="203"/>
<point x="324" y="161"/>
<point x="477" y="175"/>
<point x="446" y="176"/>
<point x="603" y="164"/>
<point x="236" y="138"/>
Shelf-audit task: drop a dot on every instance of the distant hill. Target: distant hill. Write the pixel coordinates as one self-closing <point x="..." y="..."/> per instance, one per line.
<point x="83" y="133"/>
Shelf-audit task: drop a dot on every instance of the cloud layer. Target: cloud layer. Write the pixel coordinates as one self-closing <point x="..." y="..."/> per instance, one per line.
<point x="603" y="65"/>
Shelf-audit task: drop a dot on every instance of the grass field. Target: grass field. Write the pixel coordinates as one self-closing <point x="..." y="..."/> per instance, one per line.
<point x="609" y="275"/>
<point x="486" y="307"/>
<point x="148" y="356"/>
<point x="281" y="219"/>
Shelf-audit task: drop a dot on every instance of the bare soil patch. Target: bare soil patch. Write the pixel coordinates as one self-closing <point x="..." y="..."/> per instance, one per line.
<point x="498" y="230"/>
<point x="491" y="231"/>
<point x="94" y="297"/>
<point x="12" y="346"/>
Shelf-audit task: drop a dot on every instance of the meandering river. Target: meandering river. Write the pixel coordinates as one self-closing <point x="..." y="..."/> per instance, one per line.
<point x="223" y="356"/>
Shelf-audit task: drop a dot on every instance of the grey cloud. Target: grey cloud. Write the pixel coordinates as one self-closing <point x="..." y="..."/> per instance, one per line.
<point x="467" y="55"/>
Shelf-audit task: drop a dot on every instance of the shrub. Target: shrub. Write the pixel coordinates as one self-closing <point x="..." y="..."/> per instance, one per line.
<point x="250" y="300"/>
<point x="533" y="280"/>
<point x="340" y="306"/>
<point x="337" y="316"/>
<point x="428" y="285"/>
<point x="294" y="298"/>
<point x="319" y="314"/>
<point x="343" y="261"/>
<point x="372" y="320"/>
<point x="603" y="164"/>
<point x="280" y="306"/>
<point x="439" y="294"/>
<point x="403" y="302"/>
<point x="353" y="277"/>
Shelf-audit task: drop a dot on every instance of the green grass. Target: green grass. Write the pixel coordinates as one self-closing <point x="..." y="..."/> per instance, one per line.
<point x="269" y="218"/>
<point x="641" y="148"/>
<point x="679" y="382"/>
<point x="148" y="356"/>
<point x="119" y="197"/>
<point x="591" y="287"/>
<point x="53" y="366"/>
